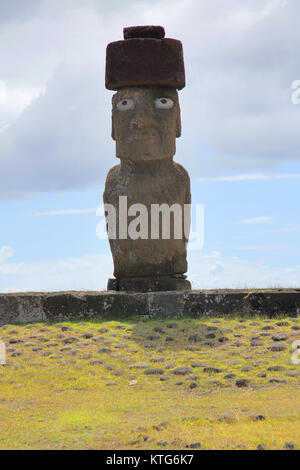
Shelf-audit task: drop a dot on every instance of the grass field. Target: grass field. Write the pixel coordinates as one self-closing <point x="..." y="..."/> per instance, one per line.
<point x="206" y="383"/>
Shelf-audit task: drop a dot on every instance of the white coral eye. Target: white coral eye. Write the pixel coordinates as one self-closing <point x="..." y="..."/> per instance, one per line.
<point x="125" y="104"/>
<point x="164" y="103"/>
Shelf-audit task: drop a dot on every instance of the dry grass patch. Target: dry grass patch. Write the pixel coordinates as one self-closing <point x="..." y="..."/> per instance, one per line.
<point x="150" y="385"/>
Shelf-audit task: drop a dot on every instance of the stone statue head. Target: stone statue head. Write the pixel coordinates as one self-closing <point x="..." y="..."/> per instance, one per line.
<point x="145" y="123"/>
<point x="146" y="69"/>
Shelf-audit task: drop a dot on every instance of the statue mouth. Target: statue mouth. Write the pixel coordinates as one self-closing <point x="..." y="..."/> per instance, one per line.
<point x="142" y="135"/>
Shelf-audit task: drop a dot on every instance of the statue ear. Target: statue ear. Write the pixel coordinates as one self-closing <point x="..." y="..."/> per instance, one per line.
<point x="178" y="123"/>
<point x="112" y="117"/>
<point x="112" y="127"/>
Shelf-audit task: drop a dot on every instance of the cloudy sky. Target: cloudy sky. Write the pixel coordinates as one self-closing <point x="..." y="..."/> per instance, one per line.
<point x="240" y="140"/>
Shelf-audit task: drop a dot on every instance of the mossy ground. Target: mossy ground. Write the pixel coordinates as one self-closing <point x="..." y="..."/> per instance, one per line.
<point x="61" y="390"/>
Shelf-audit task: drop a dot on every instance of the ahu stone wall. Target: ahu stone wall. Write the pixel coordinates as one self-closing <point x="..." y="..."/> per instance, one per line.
<point x="59" y="306"/>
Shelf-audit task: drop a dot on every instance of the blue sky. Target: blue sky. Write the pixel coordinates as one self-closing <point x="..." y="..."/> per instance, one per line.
<point x="240" y="140"/>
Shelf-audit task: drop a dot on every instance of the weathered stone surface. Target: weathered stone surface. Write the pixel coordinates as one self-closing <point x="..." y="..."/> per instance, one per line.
<point x="145" y="142"/>
<point x="155" y="32"/>
<point x="149" y="284"/>
<point x="164" y="305"/>
<point x="145" y="130"/>
<point x="154" y="371"/>
<point x="212" y="370"/>
<point x="16" y="309"/>
<point x="289" y="446"/>
<point x="146" y="70"/>
<point x="181" y="371"/>
<point x="58" y="306"/>
<point x="148" y="257"/>
<point x="269" y="303"/>
<point x="277" y="347"/>
<point x="242" y="382"/>
<point x="144" y="62"/>
<point x="281" y="336"/>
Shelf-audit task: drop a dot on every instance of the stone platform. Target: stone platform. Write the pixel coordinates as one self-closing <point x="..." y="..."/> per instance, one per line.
<point x="58" y="306"/>
<point x="177" y="282"/>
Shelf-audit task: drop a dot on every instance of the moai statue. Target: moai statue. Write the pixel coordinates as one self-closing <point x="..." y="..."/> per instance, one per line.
<point x="147" y="189"/>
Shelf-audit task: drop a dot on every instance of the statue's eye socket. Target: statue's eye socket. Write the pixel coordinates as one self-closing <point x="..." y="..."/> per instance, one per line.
<point x="164" y="103"/>
<point x="125" y="104"/>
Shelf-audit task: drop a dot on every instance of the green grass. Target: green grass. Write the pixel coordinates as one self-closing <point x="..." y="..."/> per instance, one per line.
<point x="57" y="398"/>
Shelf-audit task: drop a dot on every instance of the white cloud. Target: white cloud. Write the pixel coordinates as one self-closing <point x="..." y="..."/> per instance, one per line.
<point x="237" y="102"/>
<point x="5" y="253"/>
<point x="15" y="100"/>
<point x="3" y="93"/>
<point x="257" y="220"/>
<point x="252" y="177"/>
<point x="90" y="272"/>
<point x="63" y="212"/>
<point x="237" y="273"/>
<point x="283" y="230"/>
<point x="266" y="247"/>
<point x="216" y="269"/>
<point x="62" y="140"/>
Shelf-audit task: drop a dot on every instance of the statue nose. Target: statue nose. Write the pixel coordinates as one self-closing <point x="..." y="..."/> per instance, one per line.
<point x="142" y="122"/>
<point x="143" y="117"/>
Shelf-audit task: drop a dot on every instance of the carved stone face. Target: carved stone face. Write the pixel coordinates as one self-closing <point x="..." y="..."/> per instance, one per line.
<point x="145" y="123"/>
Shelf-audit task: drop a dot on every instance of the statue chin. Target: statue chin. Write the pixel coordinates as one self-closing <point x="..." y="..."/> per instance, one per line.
<point x="145" y="150"/>
<point x="145" y="157"/>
